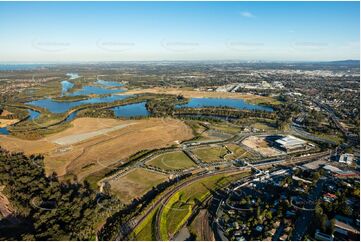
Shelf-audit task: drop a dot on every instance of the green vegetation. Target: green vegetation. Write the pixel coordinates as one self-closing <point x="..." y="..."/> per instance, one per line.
<point x="181" y="205"/>
<point x="172" y="161"/>
<point x="135" y="184"/>
<point x="238" y="152"/>
<point x="211" y="154"/>
<point x="226" y="127"/>
<point x="145" y="230"/>
<point x="70" y="98"/>
<point x="337" y="137"/>
<point x="46" y="208"/>
<point x="197" y="127"/>
<point x="265" y="100"/>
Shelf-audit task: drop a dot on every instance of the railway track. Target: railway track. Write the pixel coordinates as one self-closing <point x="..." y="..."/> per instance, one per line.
<point x="167" y="197"/>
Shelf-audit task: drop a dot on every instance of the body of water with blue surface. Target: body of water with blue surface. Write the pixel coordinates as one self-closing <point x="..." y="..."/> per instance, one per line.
<point x="62" y="107"/>
<point x="223" y="102"/>
<point x="131" y="110"/>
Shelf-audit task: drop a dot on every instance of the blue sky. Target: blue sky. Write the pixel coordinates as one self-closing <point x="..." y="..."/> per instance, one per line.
<point x="131" y="31"/>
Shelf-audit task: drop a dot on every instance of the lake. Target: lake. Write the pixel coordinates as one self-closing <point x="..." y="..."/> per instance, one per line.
<point x="131" y="110"/>
<point x="66" y="86"/>
<point x="62" y="107"/>
<point x="32" y="116"/>
<point x="4" y="131"/>
<point x="223" y="102"/>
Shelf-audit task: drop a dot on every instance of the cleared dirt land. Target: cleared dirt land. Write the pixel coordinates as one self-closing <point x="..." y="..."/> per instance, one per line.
<point x="7" y="122"/>
<point x="172" y="161"/>
<point x="260" y="145"/>
<point x="100" y="143"/>
<point x="135" y="183"/>
<point x="255" y="99"/>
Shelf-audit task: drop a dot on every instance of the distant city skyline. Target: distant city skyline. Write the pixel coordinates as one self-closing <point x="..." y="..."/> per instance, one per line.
<point x="178" y="31"/>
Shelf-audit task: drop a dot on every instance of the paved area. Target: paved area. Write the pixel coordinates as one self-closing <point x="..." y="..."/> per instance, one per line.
<point x="76" y="138"/>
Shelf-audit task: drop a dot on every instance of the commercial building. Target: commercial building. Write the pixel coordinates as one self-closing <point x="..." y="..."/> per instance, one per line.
<point x="290" y="143"/>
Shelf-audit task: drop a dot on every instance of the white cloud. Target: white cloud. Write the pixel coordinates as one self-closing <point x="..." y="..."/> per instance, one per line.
<point x="247" y="15"/>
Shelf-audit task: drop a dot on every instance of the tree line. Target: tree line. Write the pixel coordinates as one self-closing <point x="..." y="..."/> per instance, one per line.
<point x="46" y="208"/>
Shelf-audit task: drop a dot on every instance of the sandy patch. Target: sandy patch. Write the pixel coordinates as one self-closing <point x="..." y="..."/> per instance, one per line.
<point x="260" y="145"/>
<point x="5" y="113"/>
<point x="7" y="122"/>
<point x="93" y="144"/>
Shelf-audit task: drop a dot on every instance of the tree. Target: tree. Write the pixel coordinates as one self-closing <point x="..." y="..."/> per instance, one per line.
<point x="316" y="176"/>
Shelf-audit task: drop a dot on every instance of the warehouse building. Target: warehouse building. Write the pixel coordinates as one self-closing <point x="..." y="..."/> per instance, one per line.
<point x="290" y="143"/>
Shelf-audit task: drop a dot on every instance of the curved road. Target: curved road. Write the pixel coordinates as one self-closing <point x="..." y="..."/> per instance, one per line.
<point x="169" y="194"/>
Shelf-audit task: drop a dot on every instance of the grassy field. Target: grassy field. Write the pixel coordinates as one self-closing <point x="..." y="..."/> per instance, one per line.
<point x="70" y="98"/>
<point x="211" y="154"/>
<point x="145" y="230"/>
<point x="196" y="127"/>
<point x="263" y="126"/>
<point x="226" y="127"/>
<point x="337" y="138"/>
<point x="238" y="152"/>
<point x="172" y="161"/>
<point x="181" y="204"/>
<point x="135" y="183"/>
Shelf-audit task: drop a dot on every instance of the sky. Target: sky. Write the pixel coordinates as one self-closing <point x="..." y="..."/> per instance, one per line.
<point x="33" y="32"/>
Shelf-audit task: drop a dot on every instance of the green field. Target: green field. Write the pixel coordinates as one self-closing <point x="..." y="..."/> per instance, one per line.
<point x="337" y="138"/>
<point x="238" y="152"/>
<point x="172" y="161"/>
<point x="226" y="127"/>
<point x="263" y="126"/>
<point x="211" y="154"/>
<point x="181" y="205"/>
<point x="144" y="231"/>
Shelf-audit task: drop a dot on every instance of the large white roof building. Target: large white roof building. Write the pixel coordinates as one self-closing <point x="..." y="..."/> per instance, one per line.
<point x="290" y="143"/>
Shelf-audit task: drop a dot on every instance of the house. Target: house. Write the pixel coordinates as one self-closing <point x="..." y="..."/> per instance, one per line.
<point x="344" y="228"/>
<point x="322" y="236"/>
<point x="290" y="213"/>
<point x="276" y="224"/>
<point x="284" y="237"/>
<point x="329" y="197"/>
<point x="272" y="232"/>
<point x="235" y="225"/>
<point x="346" y="158"/>
<point x="259" y="228"/>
